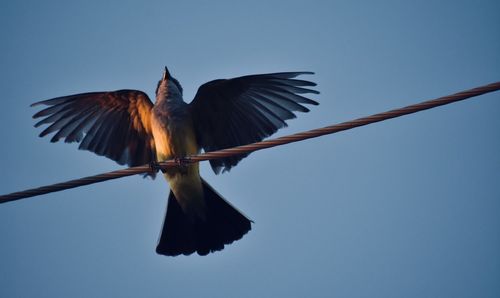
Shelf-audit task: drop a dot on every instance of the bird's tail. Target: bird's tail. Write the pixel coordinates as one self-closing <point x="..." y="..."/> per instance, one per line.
<point x="182" y="234"/>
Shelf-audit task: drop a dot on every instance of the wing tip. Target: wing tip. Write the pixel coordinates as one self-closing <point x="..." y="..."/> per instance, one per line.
<point x="38" y="114"/>
<point x="45" y="102"/>
<point x="43" y="134"/>
<point x="298" y="73"/>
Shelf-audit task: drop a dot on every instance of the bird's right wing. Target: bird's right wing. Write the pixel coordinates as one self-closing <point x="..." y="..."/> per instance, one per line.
<point x="113" y="124"/>
<point x="243" y="110"/>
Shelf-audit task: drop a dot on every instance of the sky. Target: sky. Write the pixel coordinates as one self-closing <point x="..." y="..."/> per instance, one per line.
<point x="404" y="208"/>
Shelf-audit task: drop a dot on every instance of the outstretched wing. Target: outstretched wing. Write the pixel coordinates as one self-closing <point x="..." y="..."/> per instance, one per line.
<point x="243" y="110"/>
<point x="113" y="124"/>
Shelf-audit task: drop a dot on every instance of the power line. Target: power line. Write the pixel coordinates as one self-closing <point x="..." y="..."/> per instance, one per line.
<point x="314" y="133"/>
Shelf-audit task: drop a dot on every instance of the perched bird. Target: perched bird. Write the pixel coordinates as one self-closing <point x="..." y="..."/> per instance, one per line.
<point x="125" y="126"/>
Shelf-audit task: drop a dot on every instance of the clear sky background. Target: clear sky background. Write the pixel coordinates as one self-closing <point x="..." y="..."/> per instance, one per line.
<point x="405" y="208"/>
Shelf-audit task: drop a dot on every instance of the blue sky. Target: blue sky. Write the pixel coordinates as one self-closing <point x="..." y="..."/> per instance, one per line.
<point x="404" y="208"/>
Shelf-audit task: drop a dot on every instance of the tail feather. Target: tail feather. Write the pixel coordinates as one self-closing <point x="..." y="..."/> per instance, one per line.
<point x="182" y="234"/>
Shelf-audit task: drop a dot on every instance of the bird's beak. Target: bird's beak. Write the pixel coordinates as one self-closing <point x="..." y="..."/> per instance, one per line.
<point x="166" y="74"/>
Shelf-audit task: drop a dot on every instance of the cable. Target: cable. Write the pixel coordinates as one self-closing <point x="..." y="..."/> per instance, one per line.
<point x="314" y="133"/>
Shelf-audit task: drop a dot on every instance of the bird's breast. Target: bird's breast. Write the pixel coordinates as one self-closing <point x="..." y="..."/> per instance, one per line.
<point x="174" y="136"/>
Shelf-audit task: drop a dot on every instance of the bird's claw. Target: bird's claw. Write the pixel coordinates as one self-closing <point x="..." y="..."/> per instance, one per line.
<point x="155" y="167"/>
<point x="181" y="161"/>
<point x="182" y="164"/>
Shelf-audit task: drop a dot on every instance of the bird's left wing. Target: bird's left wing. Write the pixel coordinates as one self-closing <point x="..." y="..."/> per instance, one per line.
<point x="243" y="110"/>
<point x="113" y="124"/>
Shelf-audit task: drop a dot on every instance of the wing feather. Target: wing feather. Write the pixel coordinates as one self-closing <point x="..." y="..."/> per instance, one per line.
<point x="113" y="124"/>
<point x="243" y="110"/>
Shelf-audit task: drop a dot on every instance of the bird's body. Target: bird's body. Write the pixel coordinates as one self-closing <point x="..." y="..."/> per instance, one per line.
<point x="125" y="126"/>
<point x="170" y="119"/>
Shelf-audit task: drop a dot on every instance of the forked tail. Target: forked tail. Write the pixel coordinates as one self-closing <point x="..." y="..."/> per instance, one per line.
<point x="182" y="234"/>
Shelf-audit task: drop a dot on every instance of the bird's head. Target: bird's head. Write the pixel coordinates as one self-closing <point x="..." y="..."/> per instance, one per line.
<point x="168" y="86"/>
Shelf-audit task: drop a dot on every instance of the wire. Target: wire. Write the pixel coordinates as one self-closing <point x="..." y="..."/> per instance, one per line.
<point x="314" y="133"/>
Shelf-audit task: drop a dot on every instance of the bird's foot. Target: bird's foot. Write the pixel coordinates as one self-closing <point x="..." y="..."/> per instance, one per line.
<point x="182" y="164"/>
<point x="155" y="167"/>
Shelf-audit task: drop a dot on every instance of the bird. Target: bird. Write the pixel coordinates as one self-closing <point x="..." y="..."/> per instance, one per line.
<point x="125" y="126"/>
